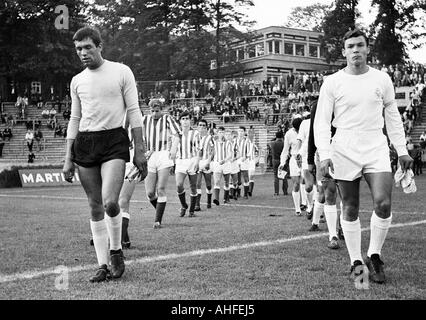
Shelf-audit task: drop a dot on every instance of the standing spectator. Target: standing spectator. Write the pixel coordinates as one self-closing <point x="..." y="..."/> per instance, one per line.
<point x="2" y="143"/>
<point x="29" y="138"/>
<point x="38" y="136"/>
<point x="416" y="154"/>
<point x="276" y="148"/>
<point x="423" y="140"/>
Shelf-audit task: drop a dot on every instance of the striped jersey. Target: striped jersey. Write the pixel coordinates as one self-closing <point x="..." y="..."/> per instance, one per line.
<point x="234" y="148"/>
<point x="242" y="148"/>
<point x="220" y="150"/>
<point x="251" y="150"/>
<point x="156" y="132"/>
<point x="188" y="145"/>
<point x="205" y="145"/>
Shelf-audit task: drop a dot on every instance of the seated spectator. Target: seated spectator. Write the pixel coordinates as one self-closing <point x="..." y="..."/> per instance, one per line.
<point x="7" y="133"/>
<point x="29" y="124"/>
<point x="67" y="113"/>
<point x="58" y="130"/>
<point x="38" y="136"/>
<point x="45" y="113"/>
<point x="2" y="143"/>
<point x="3" y="117"/>
<point x="52" y="112"/>
<point x="52" y="123"/>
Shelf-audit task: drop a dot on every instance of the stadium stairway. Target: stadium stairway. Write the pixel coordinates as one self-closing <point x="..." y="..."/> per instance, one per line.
<point x="420" y="127"/>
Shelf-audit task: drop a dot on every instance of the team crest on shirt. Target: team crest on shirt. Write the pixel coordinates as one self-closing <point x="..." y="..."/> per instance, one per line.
<point x="378" y="93"/>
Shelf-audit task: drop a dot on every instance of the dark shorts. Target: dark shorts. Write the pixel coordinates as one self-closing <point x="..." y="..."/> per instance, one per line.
<point x="91" y="149"/>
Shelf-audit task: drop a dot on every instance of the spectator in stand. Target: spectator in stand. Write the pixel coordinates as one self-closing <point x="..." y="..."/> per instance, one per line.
<point x="67" y="113"/>
<point x="31" y="157"/>
<point x="276" y="148"/>
<point x="2" y="143"/>
<point x="29" y="138"/>
<point x="423" y="140"/>
<point x="45" y="112"/>
<point x="7" y="133"/>
<point x="416" y="154"/>
<point x="226" y="116"/>
<point x="52" y="112"/>
<point x="409" y="118"/>
<point x="38" y="136"/>
<point x="3" y="117"/>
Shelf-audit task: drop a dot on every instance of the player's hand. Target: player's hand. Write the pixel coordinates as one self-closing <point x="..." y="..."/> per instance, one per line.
<point x="221" y="162"/>
<point x="140" y="161"/>
<point x="68" y="170"/>
<point x="326" y="167"/>
<point x="406" y="162"/>
<point x="299" y="160"/>
<point x="311" y="168"/>
<point x="172" y="155"/>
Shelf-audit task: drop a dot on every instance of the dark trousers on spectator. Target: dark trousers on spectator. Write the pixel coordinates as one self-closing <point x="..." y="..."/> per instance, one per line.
<point x="275" y="165"/>
<point x="30" y="146"/>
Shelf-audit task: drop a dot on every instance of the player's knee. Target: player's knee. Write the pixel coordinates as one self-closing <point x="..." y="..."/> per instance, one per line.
<point x="309" y="187"/>
<point x="111" y="208"/>
<point x="151" y="195"/>
<point x="180" y="188"/>
<point x="383" y="208"/>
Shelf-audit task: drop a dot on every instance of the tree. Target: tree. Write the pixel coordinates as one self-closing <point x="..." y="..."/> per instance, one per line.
<point x="388" y="47"/>
<point x="336" y="24"/>
<point x="397" y="23"/>
<point x="31" y="48"/>
<point x="309" y="17"/>
<point x="223" y="14"/>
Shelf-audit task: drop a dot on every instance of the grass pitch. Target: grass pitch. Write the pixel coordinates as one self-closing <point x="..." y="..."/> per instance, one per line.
<point x="251" y="249"/>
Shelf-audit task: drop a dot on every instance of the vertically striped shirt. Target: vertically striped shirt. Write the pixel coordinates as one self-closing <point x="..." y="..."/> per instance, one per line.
<point x="242" y="147"/>
<point x="251" y="150"/>
<point x="220" y="150"/>
<point x="156" y="132"/>
<point x="205" y="145"/>
<point x="234" y="148"/>
<point x="188" y="145"/>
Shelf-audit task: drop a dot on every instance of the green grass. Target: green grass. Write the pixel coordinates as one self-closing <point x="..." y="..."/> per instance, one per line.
<point x="47" y="227"/>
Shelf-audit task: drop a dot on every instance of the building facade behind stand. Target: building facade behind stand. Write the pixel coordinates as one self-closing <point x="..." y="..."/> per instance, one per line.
<point x="277" y="51"/>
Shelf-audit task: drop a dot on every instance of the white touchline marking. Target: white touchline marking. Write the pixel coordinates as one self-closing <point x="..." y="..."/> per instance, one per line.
<point x="201" y="252"/>
<point x="176" y="202"/>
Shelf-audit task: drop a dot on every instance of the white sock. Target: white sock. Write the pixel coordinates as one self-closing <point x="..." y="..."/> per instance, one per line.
<point x="379" y="229"/>
<point x="318" y="209"/>
<point x="125" y="215"/>
<point x="100" y="240"/>
<point x="330" y="212"/>
<point x="303" y="194"/>
<point x="296" y="200"/>
<point x="310" y="199"/>
<point x="352" y="233"/>
<point x="114" y="230"/>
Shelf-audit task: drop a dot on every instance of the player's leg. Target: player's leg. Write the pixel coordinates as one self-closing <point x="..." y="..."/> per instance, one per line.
<point x="246" y="183"/>
<point x="112" y="173"/>
<point x="193" y="186"/>
<point x="330" y="211"/>
<point x="295" y="178"/>
<point x="91" y="181"/>
<point x="163" y="177"/>
<point x="180" y="179"/>
<point x="381" y="190"/>
<point x="349" y="220"/>
<point x="208" y="179"/>
<point x="124" y="202"/>
<point x="226" y="187"/>
<point x="318" y="207"/>
<point x="151" y="188"/>
<point x="309" y="188"/>
<point x="217" y="175"/>
<point x="199" y="192"/>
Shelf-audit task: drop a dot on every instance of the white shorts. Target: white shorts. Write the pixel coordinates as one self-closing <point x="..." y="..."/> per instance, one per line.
<point x="233" y="167"/>
<point x="295" y="171"/>
<point x="245" y="165"/>
<point x="356" y="153"/>
<point x="159" y="160"/>
<point x="202" y="166"/>
<point x="216" y="167"/>
<point x="186" y="165"/>
<point x="252" y="165"/>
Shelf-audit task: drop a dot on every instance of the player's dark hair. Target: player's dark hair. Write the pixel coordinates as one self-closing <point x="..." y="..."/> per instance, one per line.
<point x="353" y="34"/>
<point x="296" y="123"/>
<point x="185" y="114"/>
<point x="279" y="134"/>
<point x="221" y="128"/>
<point x="204" y="121"/>
<point x="242" y="127"/>
<point x="88" y="32"/>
